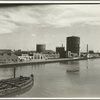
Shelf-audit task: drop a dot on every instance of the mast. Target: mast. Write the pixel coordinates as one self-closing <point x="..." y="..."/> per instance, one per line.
<point x="87" y="55"/>
<point x="14" y="72"/>
<point x="87" y="50"/>
<point x="62" y="45"/>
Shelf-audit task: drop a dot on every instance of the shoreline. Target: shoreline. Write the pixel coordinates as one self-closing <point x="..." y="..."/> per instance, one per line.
<point x="45" y="61"/>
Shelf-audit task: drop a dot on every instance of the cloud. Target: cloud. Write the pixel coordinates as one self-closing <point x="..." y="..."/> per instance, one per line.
<point x="6" y="27"/>
<point x="56" y="16"/>
<point x="66" y="16"/>
<point x="96" y="22"/>
<point x="33" y="35"/>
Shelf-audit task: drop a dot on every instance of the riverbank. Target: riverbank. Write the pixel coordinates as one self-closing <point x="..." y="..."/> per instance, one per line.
<point x="44" y="61"/>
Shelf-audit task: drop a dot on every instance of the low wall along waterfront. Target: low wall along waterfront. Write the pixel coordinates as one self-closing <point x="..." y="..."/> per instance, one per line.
<point x="44" y="61"/>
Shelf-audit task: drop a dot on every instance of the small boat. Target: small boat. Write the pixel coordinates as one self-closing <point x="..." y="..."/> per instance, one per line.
<point x="15" y="85"/>
<point x="73" y="69"/>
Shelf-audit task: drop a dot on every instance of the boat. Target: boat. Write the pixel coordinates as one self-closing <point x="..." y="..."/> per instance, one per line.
<point x="73" y="69"/>
<point x="15" y="85"/>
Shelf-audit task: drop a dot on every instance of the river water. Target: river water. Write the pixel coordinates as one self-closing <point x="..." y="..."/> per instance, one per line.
<point x="52" y="80"/>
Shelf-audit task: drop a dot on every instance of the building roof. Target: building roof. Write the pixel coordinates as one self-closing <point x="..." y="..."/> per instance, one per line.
<point x="60" y="47"/>
<point x="19" y="52"/>
<point x="48" y="52"/>
<point x="73" y="36"/>
<point x="5" y="51"/>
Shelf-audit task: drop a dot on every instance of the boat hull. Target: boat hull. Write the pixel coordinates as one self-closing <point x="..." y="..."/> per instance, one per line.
<point x="17" y="90"/>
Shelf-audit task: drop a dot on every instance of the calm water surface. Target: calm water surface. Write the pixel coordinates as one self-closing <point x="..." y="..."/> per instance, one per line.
<point x="52" y="80"/>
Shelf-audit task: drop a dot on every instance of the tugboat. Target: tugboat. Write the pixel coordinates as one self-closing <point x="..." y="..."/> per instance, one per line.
<point x="14" y="86"/>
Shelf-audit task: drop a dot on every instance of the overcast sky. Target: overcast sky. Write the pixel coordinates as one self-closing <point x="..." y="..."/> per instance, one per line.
<point x="22" y="27"/>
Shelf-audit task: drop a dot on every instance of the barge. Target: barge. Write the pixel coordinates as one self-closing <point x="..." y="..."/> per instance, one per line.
<point x="15" y="86"/>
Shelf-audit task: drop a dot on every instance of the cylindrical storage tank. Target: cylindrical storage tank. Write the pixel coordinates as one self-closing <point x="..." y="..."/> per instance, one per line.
<point x="40" y="48"/>
<point x="73" y="44"/>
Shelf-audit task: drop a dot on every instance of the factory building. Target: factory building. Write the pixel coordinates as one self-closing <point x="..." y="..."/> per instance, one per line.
<point x="29" y="55"/>
<point x="50" y="54"/>
<point x="40" y="48"/>
<point x="33" y="55"/>
<point x="73" y="46"/>
<point x="61" y="51"/>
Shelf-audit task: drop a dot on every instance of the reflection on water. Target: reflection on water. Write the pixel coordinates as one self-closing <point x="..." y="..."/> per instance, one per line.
<point x="6" y="73"/>
<point x="70" y="62"/>
<point x="52" y="80"/>
<point x="73" y="67"/>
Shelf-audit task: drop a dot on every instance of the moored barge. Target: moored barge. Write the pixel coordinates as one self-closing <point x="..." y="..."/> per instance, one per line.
<point x="15" y="85"/>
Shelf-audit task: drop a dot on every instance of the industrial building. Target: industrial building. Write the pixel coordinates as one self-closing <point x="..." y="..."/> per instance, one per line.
<point x="73" y="46"/>
<point x="33" y="55"/>
<point x="61" y="51"/>
<point x="40" y="48"/>
<point x="50" y="54"/>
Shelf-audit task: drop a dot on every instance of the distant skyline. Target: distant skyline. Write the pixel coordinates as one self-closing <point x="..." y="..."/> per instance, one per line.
<point x="22" y="27"/>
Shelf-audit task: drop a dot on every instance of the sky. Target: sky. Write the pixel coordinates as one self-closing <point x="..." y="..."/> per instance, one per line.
<point x="22" y="27"/>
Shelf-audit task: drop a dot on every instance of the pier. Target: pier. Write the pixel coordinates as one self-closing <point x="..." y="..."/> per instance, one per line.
<point x="45" y="61"/>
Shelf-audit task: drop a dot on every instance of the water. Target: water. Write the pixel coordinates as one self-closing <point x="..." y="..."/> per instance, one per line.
<point x="52" y="80"/>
